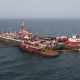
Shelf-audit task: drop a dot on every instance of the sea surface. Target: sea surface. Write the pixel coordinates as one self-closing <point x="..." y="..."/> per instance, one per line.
<point x="16" y="64"/>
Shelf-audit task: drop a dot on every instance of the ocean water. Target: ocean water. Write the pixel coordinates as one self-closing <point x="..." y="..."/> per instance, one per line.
<point x="16" y="64"/>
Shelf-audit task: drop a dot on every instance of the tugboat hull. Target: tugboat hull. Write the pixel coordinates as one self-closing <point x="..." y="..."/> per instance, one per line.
<point x="30" y="48"/>
<point x="49" y="53"/>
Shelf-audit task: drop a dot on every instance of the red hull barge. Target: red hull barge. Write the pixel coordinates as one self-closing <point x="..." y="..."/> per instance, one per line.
<point x="73" y="43"/>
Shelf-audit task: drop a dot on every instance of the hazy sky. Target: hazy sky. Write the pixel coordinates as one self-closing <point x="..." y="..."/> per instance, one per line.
<point x="39" y="8"/>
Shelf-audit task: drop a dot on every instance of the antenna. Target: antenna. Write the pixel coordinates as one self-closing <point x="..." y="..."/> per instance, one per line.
<point x="22" y="23"/>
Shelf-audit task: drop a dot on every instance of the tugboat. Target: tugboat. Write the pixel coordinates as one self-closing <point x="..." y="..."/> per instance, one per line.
<point x="49" y="53"/>
<point x="30" y="47"/>
<point x="73" y="43"/>
<point x="38" y="49"/>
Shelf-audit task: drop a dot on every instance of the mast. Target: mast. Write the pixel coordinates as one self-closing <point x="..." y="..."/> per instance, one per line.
<point x="22" y="28"/>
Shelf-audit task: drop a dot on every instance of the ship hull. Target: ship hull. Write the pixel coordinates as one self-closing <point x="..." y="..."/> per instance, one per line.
<point x="30" y="48"/>
<point x="71" y="47"/>
<point x="9" y="41"/>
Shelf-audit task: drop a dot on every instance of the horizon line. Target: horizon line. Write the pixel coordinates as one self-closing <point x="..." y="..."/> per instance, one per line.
<point x="39" y="18"/>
